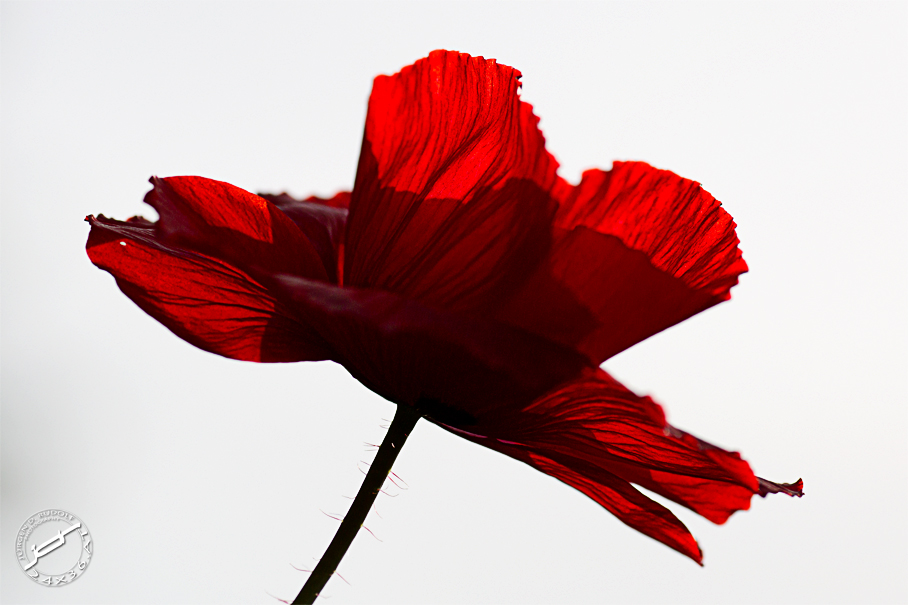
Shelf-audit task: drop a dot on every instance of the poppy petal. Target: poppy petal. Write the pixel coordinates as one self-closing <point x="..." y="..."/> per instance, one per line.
<point x="625" y="502"/>
<point x="636" y="250"/>
<point x="204" y="301"/>
<point x="449" y="366"/>
<point x="231" y="224"/>
<point x="323" y="221"/>
<point x="451" y="192"/>
<point x="681" y="228"/>
<point x="600" y="430"/>
<point x="598" y="296"/>
<point x="599" y="419"/>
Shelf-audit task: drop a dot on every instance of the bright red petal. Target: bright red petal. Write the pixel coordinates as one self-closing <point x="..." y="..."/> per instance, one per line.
<point x="451" y="193"/>
<point x="204" y="301"/>
<point x="323" y="221"/>
<point x="682" y="229"/>
<point x="233" y="225"/>
<point x="636" y="250"/>
<point x="593" y="433"/>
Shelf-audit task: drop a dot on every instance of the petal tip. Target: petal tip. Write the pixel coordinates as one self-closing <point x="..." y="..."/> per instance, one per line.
<point x="795" y="490"/>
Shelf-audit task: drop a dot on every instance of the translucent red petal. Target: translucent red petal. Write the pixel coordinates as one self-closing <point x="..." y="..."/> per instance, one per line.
<point x="599" y="437"/>
<point x="208" y="303"/>
<point x="451" y="200"/>
<point x="231" y="224"/>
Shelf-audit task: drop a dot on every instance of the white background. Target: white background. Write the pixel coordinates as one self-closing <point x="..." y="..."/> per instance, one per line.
<point x="201" y="478"/>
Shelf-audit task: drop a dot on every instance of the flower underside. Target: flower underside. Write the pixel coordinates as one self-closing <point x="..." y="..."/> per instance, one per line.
<point x="463" y="278"/>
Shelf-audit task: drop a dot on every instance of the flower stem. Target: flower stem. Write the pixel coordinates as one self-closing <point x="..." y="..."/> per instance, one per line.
<point x="404" y="420"/>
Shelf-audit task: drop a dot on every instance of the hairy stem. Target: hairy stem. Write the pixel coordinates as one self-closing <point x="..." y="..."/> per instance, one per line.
<point x="404" y="420"/>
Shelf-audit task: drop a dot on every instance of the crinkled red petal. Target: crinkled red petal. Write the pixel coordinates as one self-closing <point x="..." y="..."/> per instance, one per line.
<point x="636" y="250"/>
<point x="595" y="434"/>
<point x="612" y="492"/>
<point x="452" y="191"/>
<point x="228" y="223"/>
<point x="622" y="500"/>
<point x="207" y="302"/>
<point x="682" y="229"/>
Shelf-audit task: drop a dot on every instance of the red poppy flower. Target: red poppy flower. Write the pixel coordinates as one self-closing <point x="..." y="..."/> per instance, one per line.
<point x="463" y="278"/>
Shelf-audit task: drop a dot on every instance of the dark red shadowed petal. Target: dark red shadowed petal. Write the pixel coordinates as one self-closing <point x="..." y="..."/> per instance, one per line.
<point x="636" y="250"/>
<point x="451" y="192"/>
<point x="204" y="301"/>
<point x="233" y="225"/>
<point x="448" y="366"/>
<point x="323" y="221"/>
<point x="601" y="432"/>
